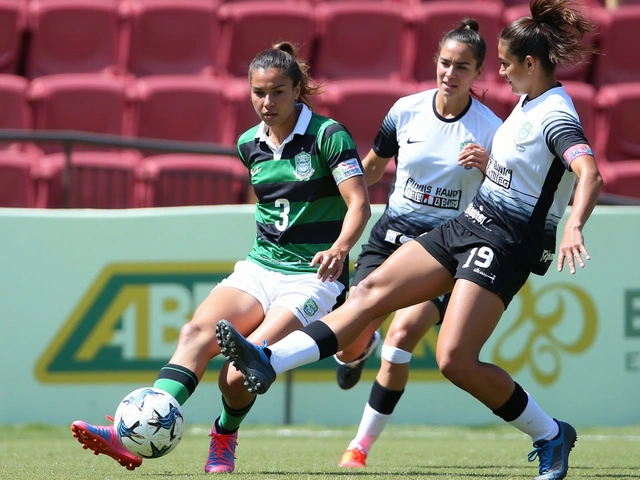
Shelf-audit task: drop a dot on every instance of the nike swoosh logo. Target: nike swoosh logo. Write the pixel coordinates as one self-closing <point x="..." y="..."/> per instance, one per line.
<point x="415" y="141"/>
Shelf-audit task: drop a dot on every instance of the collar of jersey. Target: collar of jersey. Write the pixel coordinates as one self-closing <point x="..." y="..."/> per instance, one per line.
<point x="301" y="125"/>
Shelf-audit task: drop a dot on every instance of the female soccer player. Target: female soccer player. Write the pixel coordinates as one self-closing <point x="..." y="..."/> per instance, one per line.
<point x="312" y="206"/>
<point x="442" y="139"/>
<point x="486" y="254"/>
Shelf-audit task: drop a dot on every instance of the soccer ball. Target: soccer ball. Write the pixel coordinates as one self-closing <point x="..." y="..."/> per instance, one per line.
<point x="149" y="422"/>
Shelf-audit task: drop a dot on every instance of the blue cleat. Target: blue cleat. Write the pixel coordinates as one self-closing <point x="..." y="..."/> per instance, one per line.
<point x="554" y="454"/>
<point x="249" y="359"/>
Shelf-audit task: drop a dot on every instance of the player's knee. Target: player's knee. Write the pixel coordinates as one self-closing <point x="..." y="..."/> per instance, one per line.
<point x="455" y="369"/>
<point x="193" y="335"/>
<point x="395" y="355"/>
<point x="400" y="338"/>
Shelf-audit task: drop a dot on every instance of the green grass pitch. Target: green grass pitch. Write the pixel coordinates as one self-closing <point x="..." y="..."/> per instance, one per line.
<point x="312" y="452"/>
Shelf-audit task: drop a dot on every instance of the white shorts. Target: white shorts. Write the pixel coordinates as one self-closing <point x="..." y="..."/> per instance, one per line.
<point x="303" y="294"/>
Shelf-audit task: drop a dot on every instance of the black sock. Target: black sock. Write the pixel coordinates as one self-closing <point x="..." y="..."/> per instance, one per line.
<point x="383" y="400"/>
<point x="324" y="338"/>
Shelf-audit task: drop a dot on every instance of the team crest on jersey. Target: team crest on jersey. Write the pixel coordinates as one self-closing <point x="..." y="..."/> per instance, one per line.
<point x="254" y="170"/>
<point x="303" y="169"/>
<point x="522" y="134"/>
<point x="310" y="307"/>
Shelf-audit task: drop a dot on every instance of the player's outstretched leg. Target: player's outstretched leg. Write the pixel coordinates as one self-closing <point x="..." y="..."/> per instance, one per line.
<point x="348" y="373"/>
<point x="554" y="454"/>
<point x="103" y="439"/>
<point x="251" y="360"/>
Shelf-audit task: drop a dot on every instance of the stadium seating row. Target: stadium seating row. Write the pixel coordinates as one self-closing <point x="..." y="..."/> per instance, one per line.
<point x="341" y="39"/>
<point x="194" y="108"/>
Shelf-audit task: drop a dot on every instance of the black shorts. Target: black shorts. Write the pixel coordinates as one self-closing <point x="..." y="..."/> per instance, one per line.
<point x="371" y="258"/>
<point x="472" y="258"/>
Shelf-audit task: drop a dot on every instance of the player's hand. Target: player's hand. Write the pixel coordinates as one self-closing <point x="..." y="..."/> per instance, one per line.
<point x="572" y="249"/>
<point x="474" y="156"/>
<point x="330" y="264"/>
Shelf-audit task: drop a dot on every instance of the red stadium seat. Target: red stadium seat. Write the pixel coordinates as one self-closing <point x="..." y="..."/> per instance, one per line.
<point x="179" y="180"/>
<point x="241" y="116"/>
<point x="434" y="19"/>
<point x="188" y="108"/>
<point x="12" y="25"/>
<point x="249" y="27"/>
<point x="15" y="112"/>
<point x="580" y="72"/>
<point x="95" y="180"/>
<point x="497" y="96"/>
<point x="172" y="37"/>
<point x="73" y="36"/>
<point x="622" y="178"/>
<point x="17" y="187"/>
<point x="583" y="95"/>
<point x="361" y="105"/>
<point x="363" y="40"/>
<point x="83" y="102"/>
<point x="616" y="126"/>
<point x="379" y="191"/>
<point x="618" y="49"/>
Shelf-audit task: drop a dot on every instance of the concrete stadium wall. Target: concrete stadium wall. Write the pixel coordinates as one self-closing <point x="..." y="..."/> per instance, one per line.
<point x="92" y="302"/>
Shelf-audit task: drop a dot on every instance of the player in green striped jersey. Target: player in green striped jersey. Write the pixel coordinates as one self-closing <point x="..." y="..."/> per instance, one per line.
<point x="312" y="206"/>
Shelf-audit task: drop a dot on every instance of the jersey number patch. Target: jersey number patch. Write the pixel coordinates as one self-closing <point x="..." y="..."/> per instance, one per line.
<point x="483" y="255"/>
<point x="284" y="204"/>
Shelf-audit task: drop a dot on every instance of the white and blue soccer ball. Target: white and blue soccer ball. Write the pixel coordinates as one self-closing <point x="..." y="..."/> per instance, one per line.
<point x="149" y="422"/>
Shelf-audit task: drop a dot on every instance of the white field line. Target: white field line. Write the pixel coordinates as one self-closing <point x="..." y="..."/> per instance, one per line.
<point x="427" y="434"/>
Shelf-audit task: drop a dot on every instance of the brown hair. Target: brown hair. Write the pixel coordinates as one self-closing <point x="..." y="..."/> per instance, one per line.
<point x="552" y="34"/>
<point x="467" y="33"/>
<point x="283" y="55"/>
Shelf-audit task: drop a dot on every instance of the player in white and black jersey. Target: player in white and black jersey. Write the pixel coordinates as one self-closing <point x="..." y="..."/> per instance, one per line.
<point x="485" y="255"/>
<point x="441" y="139"/>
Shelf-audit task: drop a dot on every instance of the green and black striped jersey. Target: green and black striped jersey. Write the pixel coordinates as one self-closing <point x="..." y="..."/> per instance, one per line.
<point x="299" y="210"/>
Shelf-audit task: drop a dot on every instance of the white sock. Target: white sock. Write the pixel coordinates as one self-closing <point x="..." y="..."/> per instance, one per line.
<point x="534" y="422"/>
<point x="294" y="350"/>
<point x="371" y="426"/>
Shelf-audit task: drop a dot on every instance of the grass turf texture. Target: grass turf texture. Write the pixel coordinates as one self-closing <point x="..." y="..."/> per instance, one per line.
<point x="312" y="452"/>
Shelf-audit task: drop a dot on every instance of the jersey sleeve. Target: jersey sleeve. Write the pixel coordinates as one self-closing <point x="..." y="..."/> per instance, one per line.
<point x="385" y="145"/>
<point x="564" y="136"/>
<point x="339" y="151"/>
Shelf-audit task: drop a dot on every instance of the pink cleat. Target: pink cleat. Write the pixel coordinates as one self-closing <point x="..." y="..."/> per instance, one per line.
<point x="104" y="440"/>
<point x="354" y="458"/>
<point x="222" y="449"/>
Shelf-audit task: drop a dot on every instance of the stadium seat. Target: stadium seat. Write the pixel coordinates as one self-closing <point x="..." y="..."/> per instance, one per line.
<point x="618" y="51"/>
<point x="15" y="112"/>
<point x="12" y="25"/>
<point x="17" y="186"/>
<point x="250" y="27"/>
<point x="621" y="178"/>
<point x="188" y="108"/>
<point x="580" y="72"/>
<point x="361" y="105"/>
<point x="95" y="180"/>
<point x="616" y="125"/>
<point x="497" y="96"/>
<point x="363" y="40"/>
<point x="179" y="180"/>
<point x="241" y="116"/>
<point x="379" y="191"/>
<point x="583" y="95"/>
<point x="434" y="19"/>
<point x="73" y="36"/>
<point x="84" y="102"/>
<point x="170" y="37"/>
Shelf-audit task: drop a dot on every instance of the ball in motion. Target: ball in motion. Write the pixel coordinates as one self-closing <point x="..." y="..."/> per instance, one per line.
<point x="149" y="422"/>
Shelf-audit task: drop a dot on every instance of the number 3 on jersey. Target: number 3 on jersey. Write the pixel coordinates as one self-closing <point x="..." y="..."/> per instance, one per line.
<point x="284" y="204"/>
<point x="484" y="257"/>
